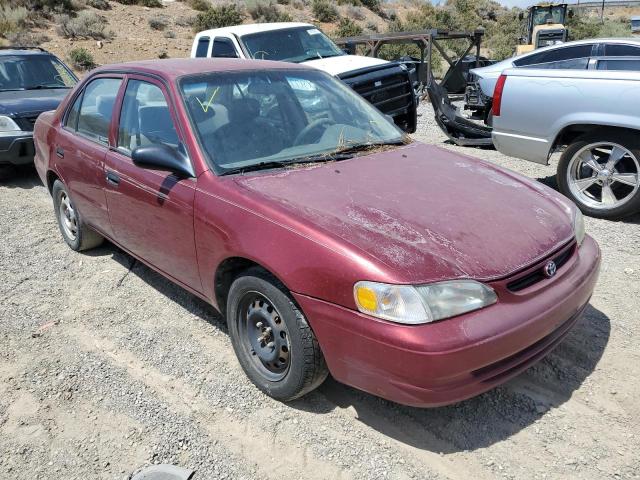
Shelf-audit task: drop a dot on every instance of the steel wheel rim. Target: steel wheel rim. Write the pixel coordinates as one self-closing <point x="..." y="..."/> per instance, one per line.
<point x="264" y="336"/>
<point x="603" y="175"/>
<point x="68" y="218"/>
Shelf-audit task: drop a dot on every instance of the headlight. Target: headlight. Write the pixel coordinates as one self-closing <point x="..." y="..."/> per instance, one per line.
<point x="424" y="303"/>
<point x="7" y="125"/>
<point x="578" y="226"/>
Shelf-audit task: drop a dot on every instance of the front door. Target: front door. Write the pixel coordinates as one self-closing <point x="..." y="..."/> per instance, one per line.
<point x="151" y="210"/>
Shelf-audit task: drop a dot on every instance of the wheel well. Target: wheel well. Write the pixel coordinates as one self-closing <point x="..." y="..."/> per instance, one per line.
<point x="226" y="273"/>
<point x="568" y="134"/>
<point x="51" y="178"/>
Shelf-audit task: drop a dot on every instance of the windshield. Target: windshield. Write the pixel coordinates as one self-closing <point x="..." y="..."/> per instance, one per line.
<point x="544" y="15"/>
<point x="246" y="120"/>
<point x="290" y="45"/>
<point x="26" y="72"/>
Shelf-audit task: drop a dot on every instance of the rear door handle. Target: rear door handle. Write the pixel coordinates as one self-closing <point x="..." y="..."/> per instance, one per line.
<point x="113" y="178"/>
<point x="60" y="152"/>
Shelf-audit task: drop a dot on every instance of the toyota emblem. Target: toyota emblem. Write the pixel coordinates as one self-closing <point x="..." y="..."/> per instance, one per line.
<point x="550" y="269"/>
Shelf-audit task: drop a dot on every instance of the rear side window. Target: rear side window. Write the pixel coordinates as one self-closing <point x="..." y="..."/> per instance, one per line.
<point x="203" y="47"/>
<point x="145" y="118"/>
<point x="618" y="50"/>
<point x="224" y="48"/>
<point x="631" y="64"/>
<point x="557" y="55"/>
<point x="96" y="109"/>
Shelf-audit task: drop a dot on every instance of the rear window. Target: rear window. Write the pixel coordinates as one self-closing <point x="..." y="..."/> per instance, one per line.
<point x="555" y="55"/>
<point x="203" y="47"/>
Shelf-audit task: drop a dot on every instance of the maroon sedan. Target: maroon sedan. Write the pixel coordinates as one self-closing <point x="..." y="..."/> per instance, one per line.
<point x="328" y="239"/>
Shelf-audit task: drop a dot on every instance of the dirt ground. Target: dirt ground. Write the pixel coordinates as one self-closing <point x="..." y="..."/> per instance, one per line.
<point x="106" y="367"/>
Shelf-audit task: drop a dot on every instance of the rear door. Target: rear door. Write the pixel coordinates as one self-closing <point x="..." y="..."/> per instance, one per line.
<point x="151" y="210"/>
<point x="81" y="146"/>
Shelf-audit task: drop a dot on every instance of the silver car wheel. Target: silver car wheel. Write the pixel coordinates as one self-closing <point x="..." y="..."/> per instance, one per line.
<point x="68" y="218"/>
<point x="603" y="175"/>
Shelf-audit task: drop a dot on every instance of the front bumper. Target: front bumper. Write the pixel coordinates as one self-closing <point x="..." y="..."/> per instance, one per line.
<point x="455" y="359"/>
<point x="17" y="150"/>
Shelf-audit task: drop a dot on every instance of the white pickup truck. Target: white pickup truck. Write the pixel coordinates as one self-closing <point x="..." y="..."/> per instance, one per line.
<point x="387" y="85"/>
<point x="592" y="116"/>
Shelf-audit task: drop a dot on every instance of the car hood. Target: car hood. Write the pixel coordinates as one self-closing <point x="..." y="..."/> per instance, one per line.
<point x="344" y="63"/>
<point x="424" y="213"/>
<point x="30" y="101"/>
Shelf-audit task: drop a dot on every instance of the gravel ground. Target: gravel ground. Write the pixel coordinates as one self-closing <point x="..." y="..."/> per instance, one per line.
<point x="106" y="367"/>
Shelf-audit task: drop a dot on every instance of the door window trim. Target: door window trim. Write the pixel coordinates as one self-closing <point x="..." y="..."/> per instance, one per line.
<point x="80" y="93"/>
<point x="170" y="104"/>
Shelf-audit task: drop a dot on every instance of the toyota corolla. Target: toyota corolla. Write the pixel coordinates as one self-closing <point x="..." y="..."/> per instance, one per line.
<point x="329" y="240"/>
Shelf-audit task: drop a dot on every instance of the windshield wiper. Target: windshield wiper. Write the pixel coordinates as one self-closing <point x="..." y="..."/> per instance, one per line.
<point x="257" y="166"/>
<point x="344" y="153"/>
<point x="44" y="86"/>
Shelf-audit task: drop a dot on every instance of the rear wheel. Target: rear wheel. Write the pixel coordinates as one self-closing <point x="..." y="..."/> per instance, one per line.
<point x="600" y="172"/>
<point x="272" y="339"/>
<point x="75" y="232"/>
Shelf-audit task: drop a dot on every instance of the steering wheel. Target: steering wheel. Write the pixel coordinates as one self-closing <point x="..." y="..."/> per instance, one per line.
<point x="305" y="132"/>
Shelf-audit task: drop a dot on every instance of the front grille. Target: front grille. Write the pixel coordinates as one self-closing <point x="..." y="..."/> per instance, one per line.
<point x="538" y="274"/>
<point x="388" y="89"/>
<point x="27" y="122"/>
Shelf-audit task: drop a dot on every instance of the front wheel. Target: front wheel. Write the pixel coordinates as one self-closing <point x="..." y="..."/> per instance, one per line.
<point x="272" y="339"/>
<point x="600" y="172"/>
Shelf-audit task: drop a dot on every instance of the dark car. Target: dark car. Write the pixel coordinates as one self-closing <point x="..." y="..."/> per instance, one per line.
<point x="32" y="81"/>
<point x="329" y="240"/>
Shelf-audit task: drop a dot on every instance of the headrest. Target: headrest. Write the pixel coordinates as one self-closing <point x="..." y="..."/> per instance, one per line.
<point x="155" y="118"/>
<point x="244" y="110"/>
<point x="104" y="105"/>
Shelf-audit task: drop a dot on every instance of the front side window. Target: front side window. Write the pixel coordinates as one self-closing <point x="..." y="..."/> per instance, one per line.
<point x="621" y="50"/>
<point x="145" y="118"/>
<point x="224" y="48"/>
<point x="290" y="45"/>
<point x="249" y="119"/>
<point x="34" y="72"/>
<point x="577" y="52"/>
<point x="96" y="108"/>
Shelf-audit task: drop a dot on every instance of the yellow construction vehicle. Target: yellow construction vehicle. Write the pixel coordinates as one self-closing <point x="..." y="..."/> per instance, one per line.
<point x="545" y="26"/>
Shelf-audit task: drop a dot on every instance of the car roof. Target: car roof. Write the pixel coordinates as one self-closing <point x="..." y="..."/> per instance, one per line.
<point x="240" y="30"/>
<point x="173" y="68"/>
<point x="23" y="51"/>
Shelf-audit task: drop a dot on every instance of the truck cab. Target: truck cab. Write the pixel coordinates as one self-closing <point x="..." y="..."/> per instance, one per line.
<point x="387" y="85"/>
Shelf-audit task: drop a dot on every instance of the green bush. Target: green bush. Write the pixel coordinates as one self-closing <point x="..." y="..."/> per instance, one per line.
<point x="217" y="17"/>
<point x="99" y="4"/>
<point x="373" y="5"/>
<point x="324" y="11"/>
<point x="347" y="28"/>
<point x="267" y="12"/>
<point x="143" y="3"/>
<point x="158" y="23"/>
<point x="200" y="5"/>
<point x="86" y="25"/>
<point x="81" y="59"/>
<point x="24" y="38"/>
<point x="12" y="20"/>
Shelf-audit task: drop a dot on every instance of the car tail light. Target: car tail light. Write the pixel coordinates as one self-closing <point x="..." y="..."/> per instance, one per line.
<point x="497" y="96"/>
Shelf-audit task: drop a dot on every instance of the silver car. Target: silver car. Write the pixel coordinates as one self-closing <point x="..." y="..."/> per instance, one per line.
<point x="600" y="54"/>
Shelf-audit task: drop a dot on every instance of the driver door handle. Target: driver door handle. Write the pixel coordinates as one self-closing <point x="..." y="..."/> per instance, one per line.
<point x="113" y="178"/>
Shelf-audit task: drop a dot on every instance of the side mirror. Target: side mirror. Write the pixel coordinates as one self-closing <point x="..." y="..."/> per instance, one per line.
<point x="520" y="16"/>
<point x="571" y="14"/>
<point x="162" y="157"/>
<point x="349" y="48"/>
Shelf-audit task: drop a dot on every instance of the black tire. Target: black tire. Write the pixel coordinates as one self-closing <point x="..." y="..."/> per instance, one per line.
<point x="624" y="139"/>
<point x="305" y="365"/>
<point x="84" y="237"/>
